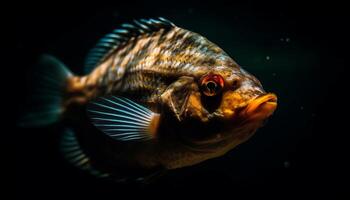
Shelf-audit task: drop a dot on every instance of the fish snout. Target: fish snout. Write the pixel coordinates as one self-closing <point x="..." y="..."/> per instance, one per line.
<point x="261" y="107"/>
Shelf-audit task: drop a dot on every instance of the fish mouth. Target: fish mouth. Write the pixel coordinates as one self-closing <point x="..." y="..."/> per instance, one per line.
<point x="261" y="107"/>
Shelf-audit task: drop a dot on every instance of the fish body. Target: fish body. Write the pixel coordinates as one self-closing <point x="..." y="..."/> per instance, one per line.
<point x="156" y="96"/>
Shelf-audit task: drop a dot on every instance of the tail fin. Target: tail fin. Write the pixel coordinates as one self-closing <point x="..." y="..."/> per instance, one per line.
<point x="45" y="101"/>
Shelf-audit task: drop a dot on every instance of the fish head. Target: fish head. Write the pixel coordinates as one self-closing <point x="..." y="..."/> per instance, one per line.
<point x="241" y="99"/>
<point x="218" y="103"/>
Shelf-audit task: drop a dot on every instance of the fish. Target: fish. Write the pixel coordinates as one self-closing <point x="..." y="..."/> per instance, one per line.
<point x="154" y="97"/>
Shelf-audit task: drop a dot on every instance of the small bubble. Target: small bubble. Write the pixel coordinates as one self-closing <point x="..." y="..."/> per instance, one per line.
<point x="190" y="10"/>
<point x="287" y="39"/>
<point x="140" y="179"/>
<point x="301" y="107"/>
<point x="274" y="74"/>
<point x="286" y="164"/>
<point x="268" y="58"/>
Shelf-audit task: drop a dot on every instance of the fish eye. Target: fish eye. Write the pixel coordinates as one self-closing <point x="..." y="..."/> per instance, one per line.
<point x="211" y="84"/>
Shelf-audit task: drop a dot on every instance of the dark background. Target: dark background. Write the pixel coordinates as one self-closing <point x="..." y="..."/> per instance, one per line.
<point x="297" y="50"/>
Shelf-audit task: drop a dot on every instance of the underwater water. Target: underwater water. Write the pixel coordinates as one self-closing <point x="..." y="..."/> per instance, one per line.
<point x="295" y="51"/>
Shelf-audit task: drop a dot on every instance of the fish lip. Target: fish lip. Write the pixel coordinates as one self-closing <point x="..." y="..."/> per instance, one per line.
<point x="261" y="107"/>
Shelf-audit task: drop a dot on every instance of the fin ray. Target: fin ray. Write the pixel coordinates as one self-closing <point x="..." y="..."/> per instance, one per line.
<point x="119" y="121"/>
<point x="115" y="115"/>
<point x="119" y="110"/>
<point x="123" y="106"/>
<point x="141" y="110"/>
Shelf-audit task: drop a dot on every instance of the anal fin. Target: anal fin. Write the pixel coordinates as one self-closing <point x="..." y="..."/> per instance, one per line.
<point x="74" y="154"/>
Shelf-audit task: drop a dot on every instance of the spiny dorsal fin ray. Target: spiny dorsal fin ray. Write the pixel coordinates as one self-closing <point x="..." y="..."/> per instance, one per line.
<point x="123" y="119"/>
<point x="121" y="35"/>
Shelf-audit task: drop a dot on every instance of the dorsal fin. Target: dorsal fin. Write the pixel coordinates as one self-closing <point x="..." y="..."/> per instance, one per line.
<point x="119" y="36"/>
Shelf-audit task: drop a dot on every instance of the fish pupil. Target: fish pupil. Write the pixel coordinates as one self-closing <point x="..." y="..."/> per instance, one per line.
<point x="211" y="97"/>
<point x="212" y="87"/>
<point x="211" y="84"/>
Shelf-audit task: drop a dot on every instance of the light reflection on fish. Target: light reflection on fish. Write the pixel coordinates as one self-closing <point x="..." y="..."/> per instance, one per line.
<point x="155" y="96"/>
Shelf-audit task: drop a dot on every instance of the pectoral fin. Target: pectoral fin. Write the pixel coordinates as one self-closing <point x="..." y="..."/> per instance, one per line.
<point x="123" y="119"/>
